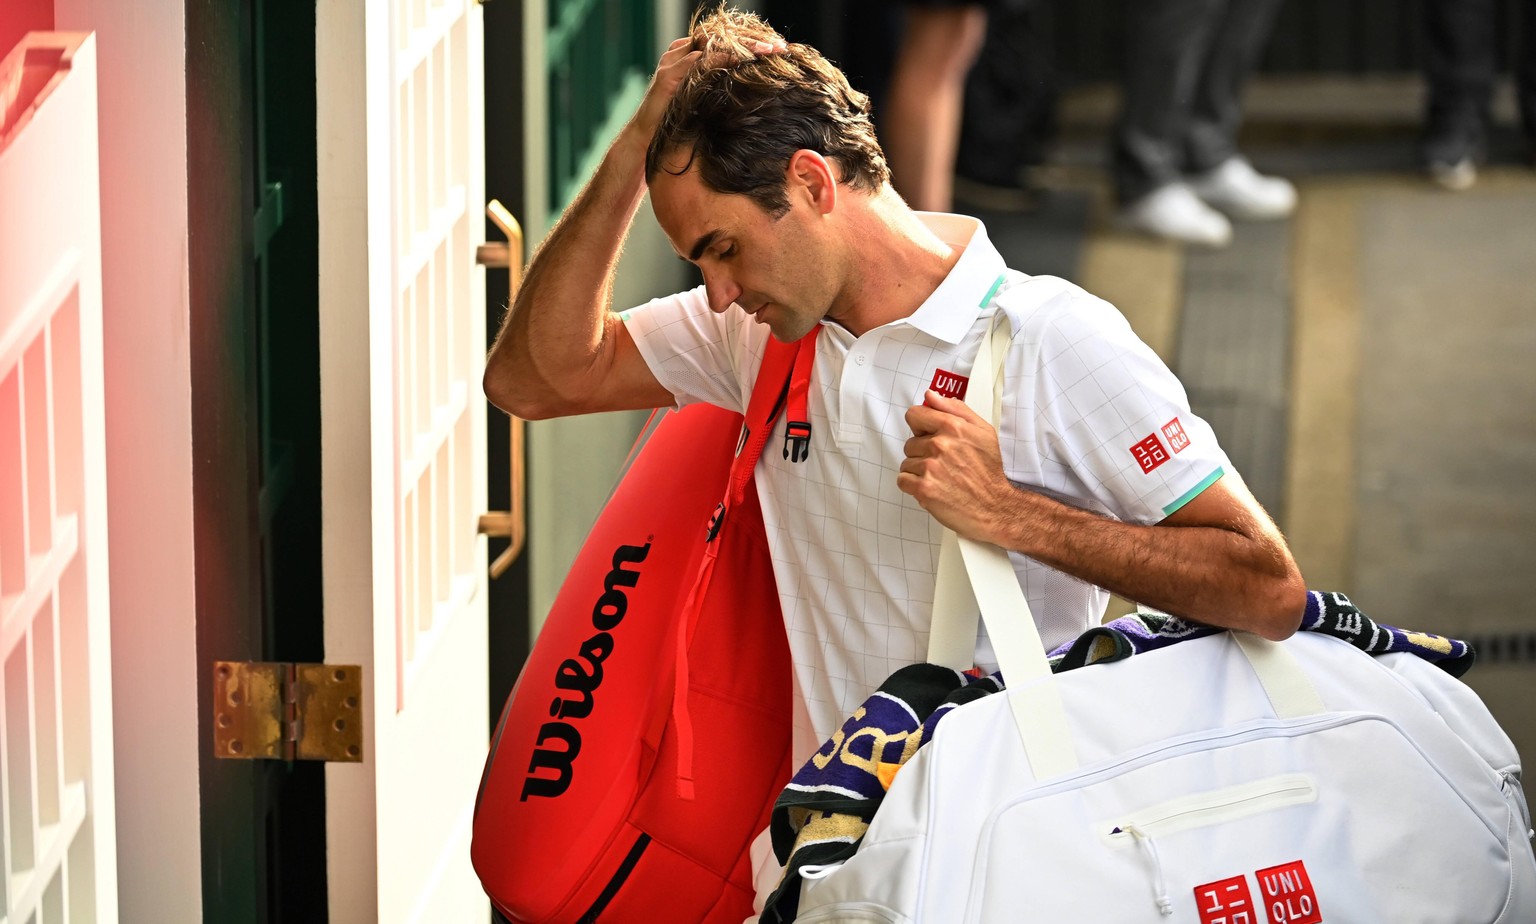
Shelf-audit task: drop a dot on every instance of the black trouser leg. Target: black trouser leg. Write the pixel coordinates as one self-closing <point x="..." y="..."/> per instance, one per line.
<point x="1525" y="72"/>
<point x="1010" y="98"/>
<point x="1458" y="70"/>
<point x="1166" y="47"/>
<point x="1242" y="32"/>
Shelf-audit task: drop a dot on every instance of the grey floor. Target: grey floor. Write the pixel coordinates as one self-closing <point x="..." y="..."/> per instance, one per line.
<point x="1372" y="373"/>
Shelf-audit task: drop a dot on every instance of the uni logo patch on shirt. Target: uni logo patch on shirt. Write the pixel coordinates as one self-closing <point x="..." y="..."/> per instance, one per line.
<point x="1173" y="431"/>
<point x="1149" y="453"/>
<point x="949" y="384"/>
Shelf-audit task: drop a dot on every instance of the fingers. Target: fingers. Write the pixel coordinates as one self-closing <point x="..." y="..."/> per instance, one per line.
<point x="924" y="420"/>
<point x="675" y="51"/>
<point x="679" y="59"/>
<point x="938" y="414"/>
<point x="954" y="406"/>
<point x="678" y="51"/>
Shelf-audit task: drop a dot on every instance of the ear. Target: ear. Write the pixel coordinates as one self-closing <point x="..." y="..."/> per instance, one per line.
<point x="811" y="177"/>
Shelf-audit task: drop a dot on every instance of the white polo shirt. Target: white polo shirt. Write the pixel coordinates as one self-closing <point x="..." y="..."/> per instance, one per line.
<point x="1090" y="417"/>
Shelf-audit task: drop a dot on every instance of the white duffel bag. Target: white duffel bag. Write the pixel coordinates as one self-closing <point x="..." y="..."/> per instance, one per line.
<point x="1189" y="791"/>
<point x="1222" y="780"/>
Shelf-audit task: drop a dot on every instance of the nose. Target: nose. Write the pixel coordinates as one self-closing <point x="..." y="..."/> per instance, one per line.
<point x="721" y="290"/>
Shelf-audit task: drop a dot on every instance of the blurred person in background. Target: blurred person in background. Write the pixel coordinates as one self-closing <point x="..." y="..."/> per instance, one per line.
<point x="939" y="43"/>
<point x="1177" y="172"/>
<point x="1460" y="37"/>
<point x="1009" y="116"/>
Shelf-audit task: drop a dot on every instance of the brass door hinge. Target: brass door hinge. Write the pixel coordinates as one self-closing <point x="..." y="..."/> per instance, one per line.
<point x="280" y="711"/>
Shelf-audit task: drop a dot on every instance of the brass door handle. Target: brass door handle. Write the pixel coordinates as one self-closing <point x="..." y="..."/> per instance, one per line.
<point x="512" y="524"/>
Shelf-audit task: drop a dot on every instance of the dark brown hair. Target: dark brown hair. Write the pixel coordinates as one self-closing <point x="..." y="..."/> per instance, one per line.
<point x="739" y="116"/>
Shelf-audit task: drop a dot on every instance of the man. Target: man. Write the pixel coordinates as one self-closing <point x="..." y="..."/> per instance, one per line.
<point x="764" y="172"/>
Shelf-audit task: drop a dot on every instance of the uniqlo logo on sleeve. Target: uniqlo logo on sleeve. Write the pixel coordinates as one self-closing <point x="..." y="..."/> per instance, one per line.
<point x="1226" y="901"/>
<point x="949" y="384"/>
<point x="1149" y="453"/>
<point x="1288" y="894"/>
<point x="1174" y="433"/>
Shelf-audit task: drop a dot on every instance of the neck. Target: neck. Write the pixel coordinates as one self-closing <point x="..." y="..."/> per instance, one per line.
<point x="895" y="265"/>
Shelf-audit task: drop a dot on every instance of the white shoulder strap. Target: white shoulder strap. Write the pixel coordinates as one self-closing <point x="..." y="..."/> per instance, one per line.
<point x="977" y="576"/>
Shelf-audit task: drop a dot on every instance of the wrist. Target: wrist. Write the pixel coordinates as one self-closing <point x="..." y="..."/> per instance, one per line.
<point x="1007" y="526"/>
<point x="633" y="141"/>
<point x="623" y="168"/>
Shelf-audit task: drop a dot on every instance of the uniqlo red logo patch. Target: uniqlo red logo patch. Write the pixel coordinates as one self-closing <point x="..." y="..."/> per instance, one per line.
<point x="1288" y="895"/>
<point x="1174" y="433"/>
<point x="1149" y="453"/>
<point x="1226" y="901"/>
<point x="949" y="385"/>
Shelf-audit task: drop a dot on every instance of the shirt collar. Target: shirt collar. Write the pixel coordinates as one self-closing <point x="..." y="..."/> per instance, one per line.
<point x="950" y="311"/>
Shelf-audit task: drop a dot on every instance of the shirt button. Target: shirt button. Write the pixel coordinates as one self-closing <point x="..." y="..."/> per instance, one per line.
<point x="860" y="359"/>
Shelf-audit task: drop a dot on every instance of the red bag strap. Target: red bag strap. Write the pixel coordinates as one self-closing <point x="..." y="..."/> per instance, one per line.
<point x="783" y="365"/>
<point x="783" y="380"/>
<point x="797" y="425"/>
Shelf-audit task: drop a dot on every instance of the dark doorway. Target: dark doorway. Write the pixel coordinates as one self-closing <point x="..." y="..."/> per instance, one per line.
<point x="504" y="181"/>
<point x="253" y="256"/>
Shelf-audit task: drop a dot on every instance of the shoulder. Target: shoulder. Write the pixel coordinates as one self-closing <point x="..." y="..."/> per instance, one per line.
<point x="698" y="354"/>
<point x="1041" y="308"/>
<point x="692" y="303"/>
<point x="684" y="319"/>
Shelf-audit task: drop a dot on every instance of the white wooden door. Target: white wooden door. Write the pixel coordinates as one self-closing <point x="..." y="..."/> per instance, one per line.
<point x="57" y="831"/>
<point x="401" y="194"/>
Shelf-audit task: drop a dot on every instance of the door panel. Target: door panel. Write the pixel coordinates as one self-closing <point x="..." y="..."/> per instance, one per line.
<point x="403" y="433"/>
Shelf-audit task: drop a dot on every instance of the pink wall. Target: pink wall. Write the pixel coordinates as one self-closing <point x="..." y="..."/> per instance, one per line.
<point x="142" y="119"/>
<point x="18" y="17"/>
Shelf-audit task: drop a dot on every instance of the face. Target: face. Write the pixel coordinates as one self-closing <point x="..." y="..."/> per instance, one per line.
<point x="779" y="271"/>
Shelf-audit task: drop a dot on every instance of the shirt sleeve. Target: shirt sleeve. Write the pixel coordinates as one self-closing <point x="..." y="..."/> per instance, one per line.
<point x="1110" y="424"/>
<point x="697" y="354"/>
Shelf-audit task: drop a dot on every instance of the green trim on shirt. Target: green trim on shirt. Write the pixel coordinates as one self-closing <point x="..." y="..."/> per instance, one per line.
<point x="1194" y="492"/>
<point x="992" y="291"/>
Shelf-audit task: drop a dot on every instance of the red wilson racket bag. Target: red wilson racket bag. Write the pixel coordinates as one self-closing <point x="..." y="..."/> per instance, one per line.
<point x="626" y="783"/>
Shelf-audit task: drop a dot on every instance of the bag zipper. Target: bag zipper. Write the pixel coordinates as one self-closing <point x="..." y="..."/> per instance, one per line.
<point x="1159" y="881"/>
<point x="1203" y="809"/>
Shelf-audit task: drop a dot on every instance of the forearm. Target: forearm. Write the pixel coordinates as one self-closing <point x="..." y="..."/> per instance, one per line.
<point x="1236" y="575"/>
<point x="552" y="341"/>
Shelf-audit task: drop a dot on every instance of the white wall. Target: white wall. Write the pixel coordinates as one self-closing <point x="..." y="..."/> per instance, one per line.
<point x="141" y="48"/>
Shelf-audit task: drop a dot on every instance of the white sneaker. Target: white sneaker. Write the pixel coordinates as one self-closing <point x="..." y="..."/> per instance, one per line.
<point x="1174" y="212"/>
<point x="1456" y="177"/>
<point x="1242" y="192"/>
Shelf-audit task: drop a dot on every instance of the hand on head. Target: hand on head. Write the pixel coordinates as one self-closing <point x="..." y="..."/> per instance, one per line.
<point x="677" y="62"/>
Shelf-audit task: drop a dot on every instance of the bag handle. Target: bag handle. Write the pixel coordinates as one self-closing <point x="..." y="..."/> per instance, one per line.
<point x="978" y="576"/>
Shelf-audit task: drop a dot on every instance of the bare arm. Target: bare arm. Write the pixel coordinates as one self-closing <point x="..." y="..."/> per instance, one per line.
<point x="561" y="350"/>
<point x="1219" y="560"/>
